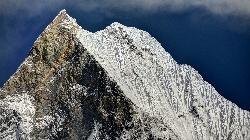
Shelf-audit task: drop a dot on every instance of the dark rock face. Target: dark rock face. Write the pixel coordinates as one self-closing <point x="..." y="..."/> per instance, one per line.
<point x="82" y="95"/>
<point x="65" y="91"/>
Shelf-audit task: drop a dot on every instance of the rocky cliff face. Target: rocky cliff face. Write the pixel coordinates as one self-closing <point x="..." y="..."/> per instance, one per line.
<point x="117" y="83"/>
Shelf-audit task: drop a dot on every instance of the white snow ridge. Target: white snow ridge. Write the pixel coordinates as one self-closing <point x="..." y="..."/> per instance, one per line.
<point x="117" y="83"/>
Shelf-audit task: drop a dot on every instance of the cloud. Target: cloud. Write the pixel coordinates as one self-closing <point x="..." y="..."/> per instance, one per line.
<point x="28" y="7"/>
<point x="235" y="7"/>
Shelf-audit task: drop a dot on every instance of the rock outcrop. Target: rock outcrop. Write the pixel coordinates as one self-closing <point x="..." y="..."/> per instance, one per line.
<point x="117" y="83"/>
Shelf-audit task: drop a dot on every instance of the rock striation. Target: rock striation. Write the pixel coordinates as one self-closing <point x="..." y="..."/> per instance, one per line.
<point x="117" y="83"/>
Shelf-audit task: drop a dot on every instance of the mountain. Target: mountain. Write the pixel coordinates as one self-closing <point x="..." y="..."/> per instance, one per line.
<point x="117" y="83"/>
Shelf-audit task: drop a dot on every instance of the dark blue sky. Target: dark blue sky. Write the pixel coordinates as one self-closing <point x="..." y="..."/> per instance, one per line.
<point x="215" y="44"/>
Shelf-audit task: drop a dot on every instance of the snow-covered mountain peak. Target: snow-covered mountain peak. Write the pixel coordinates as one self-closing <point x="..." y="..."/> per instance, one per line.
<point x="117" y="25"/>
<point x="63" y="17"/>
<point x="117" y="83"/>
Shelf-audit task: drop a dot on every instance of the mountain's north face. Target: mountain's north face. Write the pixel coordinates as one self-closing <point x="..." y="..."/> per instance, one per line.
<point x="117" y="83"/>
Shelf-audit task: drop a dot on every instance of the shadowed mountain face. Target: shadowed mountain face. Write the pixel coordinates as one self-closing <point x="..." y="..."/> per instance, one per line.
<point x="118" y="83"/>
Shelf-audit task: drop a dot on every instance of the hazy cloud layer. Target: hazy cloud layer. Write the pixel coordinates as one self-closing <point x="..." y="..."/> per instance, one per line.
<point x="33" y="7"/>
